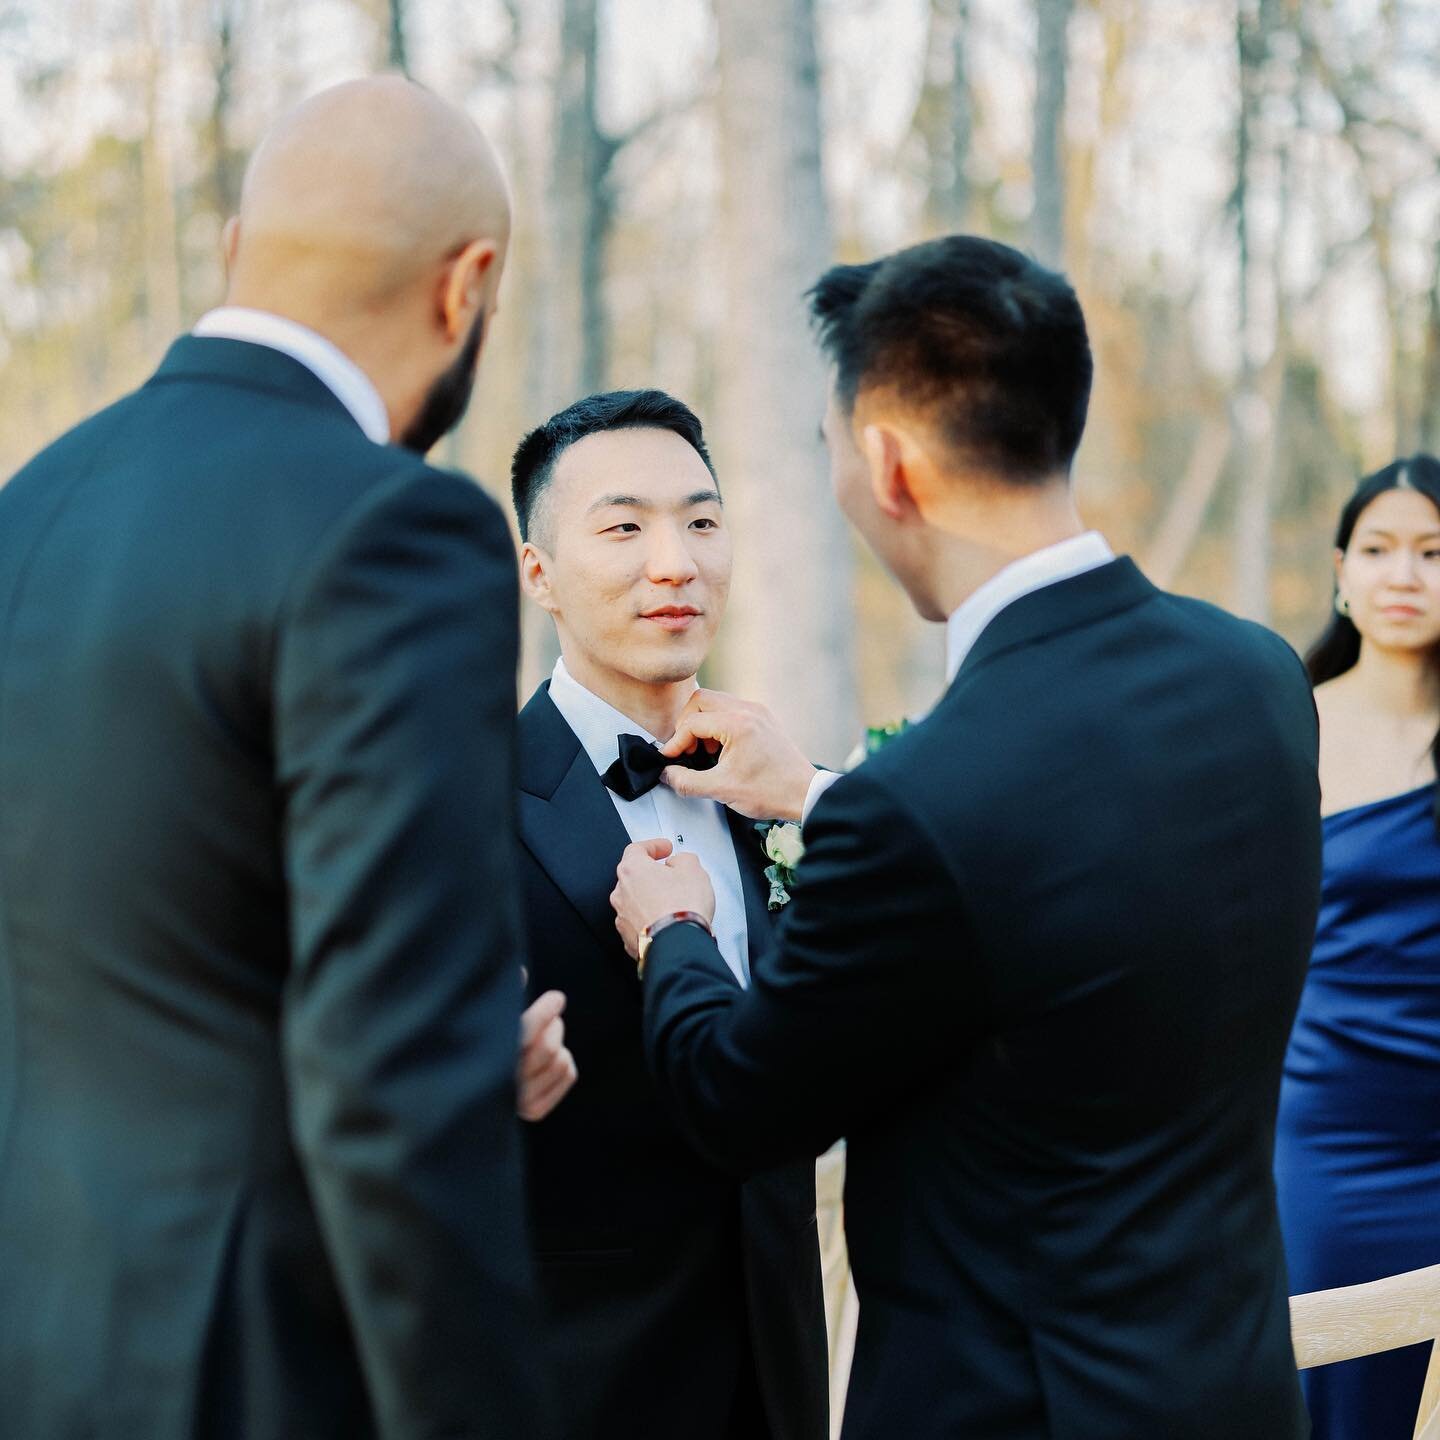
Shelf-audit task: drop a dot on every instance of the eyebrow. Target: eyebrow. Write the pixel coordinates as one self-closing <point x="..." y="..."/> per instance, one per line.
<point x="696" y="497"/>
<point x="1390" y="534"/>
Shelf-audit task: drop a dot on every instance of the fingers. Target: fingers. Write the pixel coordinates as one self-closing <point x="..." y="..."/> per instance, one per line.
<point x="711" y="728"/>
<point x="539" y="1097"/>
<point x="682" y="741"/>
<point x="653" y="880"/>
<point x="701" y="699"/>
<point x="628" y="937"/>
<point x="710" y="718"/>
<point x="541" y="1052"/>
<point x="702" y="784"/>
<point x="539" y="1013"/>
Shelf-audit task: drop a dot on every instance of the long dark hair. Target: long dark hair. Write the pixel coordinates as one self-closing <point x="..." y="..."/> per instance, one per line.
<point x="1338" y="648"/>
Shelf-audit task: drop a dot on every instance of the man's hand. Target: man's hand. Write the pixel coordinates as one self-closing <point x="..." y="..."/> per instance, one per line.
<point x="546" y="1069"/>
<point x="761" y="773"/>
<point x="653" y="881"/>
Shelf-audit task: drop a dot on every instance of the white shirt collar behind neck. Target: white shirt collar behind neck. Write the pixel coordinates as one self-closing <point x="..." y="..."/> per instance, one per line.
<point x="1029" y="573"/>
<point x="351" y="386"/>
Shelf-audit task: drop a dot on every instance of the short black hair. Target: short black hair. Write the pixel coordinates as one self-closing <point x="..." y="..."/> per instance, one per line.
<point x="981" y="337"/>
<point x="534" y="464"/>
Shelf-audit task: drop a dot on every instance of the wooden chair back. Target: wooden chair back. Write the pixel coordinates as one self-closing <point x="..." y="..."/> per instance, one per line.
<point x="1328" y="1326"/>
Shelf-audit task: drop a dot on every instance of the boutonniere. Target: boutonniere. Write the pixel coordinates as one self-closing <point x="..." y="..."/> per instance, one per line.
<point x="876" y="737"/>
<point x="785" y="850"/>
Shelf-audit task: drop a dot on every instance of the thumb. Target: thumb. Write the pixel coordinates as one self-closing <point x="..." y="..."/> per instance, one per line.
<point x="540" y="1013"/>
<point x="699" y="784"/>
<point x="656" y="849"/>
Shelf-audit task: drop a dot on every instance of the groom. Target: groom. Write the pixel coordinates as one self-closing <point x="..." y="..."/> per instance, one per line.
<point x="1045" y="948"/>
<point x="677" y="1300"/>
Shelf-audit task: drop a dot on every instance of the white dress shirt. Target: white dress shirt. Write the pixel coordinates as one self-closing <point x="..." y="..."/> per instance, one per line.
<point x="692" y="824"/>
<point x="1021" y="577"/>
<point x="350" y="385"/>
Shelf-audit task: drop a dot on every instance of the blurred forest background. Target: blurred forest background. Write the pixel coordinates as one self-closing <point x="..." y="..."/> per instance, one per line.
<point x="1246" y="194"/>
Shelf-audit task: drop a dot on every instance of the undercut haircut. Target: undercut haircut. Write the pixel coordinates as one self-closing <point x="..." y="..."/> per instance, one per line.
<point x="983" y="341"/>
<point x="533" y="467"/>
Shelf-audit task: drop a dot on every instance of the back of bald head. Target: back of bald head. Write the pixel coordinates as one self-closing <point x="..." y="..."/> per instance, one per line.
<point x="360" y="192"/>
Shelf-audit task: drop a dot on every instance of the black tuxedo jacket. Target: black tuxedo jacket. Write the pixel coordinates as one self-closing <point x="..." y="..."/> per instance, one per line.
<point x="1040" y="967"/>
<point x="259" y="1164"/>
<point x="679" y="1304"/>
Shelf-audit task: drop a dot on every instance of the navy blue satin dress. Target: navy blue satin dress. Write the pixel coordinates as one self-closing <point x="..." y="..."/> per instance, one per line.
<point x="1357" y="1159"/>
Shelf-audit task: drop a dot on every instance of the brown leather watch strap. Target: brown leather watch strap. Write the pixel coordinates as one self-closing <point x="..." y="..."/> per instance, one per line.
<point x="656" y="927"/>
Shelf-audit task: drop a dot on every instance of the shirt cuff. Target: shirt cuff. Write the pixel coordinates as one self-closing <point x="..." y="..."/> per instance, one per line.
<point x="823" y="780"/>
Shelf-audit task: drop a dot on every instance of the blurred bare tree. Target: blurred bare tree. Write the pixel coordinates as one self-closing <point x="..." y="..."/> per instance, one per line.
<point x="1246" y="193"/>
<point x="580" y="209"/>
<point x="1252" y="415"/>
<point x="943" y="120"/>
<point x="226" y="160"/>
<point x="1052" y="65"/>
<point x="789" y="637"/>
<point x="397" y="55"/>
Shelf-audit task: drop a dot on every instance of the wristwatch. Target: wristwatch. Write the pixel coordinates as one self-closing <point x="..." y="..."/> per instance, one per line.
<point x="654" y="928"/>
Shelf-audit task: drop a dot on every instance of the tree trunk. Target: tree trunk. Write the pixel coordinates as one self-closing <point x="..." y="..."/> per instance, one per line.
<point x="581" y="212"/>
<point x="789" y="638"/>
<point x="1047" y="219"/>
<point x="1184" y="518"/>
<point x="1430" y="373"/>
<point x="1083" y="160"/>
<point x="397" y="52"/>
<point x="158" y="214"/>
<point x="226" y="170"/>
<point x="943" y="116"/>
<point x="1252" y="419"/>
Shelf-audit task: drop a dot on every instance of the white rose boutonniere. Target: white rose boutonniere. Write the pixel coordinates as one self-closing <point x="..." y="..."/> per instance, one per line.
<point x="785" y="849"/>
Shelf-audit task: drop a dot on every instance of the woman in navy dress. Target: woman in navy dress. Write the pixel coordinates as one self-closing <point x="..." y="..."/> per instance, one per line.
<point x="1358" y="1142"/>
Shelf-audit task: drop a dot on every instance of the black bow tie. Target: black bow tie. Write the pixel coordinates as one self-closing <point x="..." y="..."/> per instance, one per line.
<point x="637" y="771"/>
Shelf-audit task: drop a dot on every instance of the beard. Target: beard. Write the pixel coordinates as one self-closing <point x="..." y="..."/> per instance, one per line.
<point x="446" y="400"/>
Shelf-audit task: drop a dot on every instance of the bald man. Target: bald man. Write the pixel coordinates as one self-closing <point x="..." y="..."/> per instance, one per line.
<point x="259" y="980"/>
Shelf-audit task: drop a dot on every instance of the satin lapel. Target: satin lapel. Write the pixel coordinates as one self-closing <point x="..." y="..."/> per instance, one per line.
<point x="567" y="819"/>
<point x="751" y="860"/>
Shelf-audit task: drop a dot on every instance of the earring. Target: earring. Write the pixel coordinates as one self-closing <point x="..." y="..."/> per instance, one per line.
<point x="1342" y="605"/>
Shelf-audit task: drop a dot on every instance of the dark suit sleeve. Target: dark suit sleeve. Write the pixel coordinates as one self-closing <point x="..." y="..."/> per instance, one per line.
<point x="861" y="994"/>
<point x="394" y="728"/>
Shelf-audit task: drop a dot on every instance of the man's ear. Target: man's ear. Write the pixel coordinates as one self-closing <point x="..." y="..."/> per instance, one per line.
<point x="885" y="451"/>
<point x="463" y="290"/>
<point x="535" y="576"/>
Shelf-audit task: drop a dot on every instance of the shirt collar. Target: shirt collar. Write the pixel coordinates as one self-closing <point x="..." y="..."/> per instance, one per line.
<point x="1030" y="572"/>
<point x="597" y="723"/>
<point x="351" y="386"/>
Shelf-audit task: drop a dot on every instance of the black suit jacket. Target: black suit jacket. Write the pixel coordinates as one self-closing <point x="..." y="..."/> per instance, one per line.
<point x="679" y="1304"/>
<point x="1040" y="967"/>
<point x="259" y="997"/>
